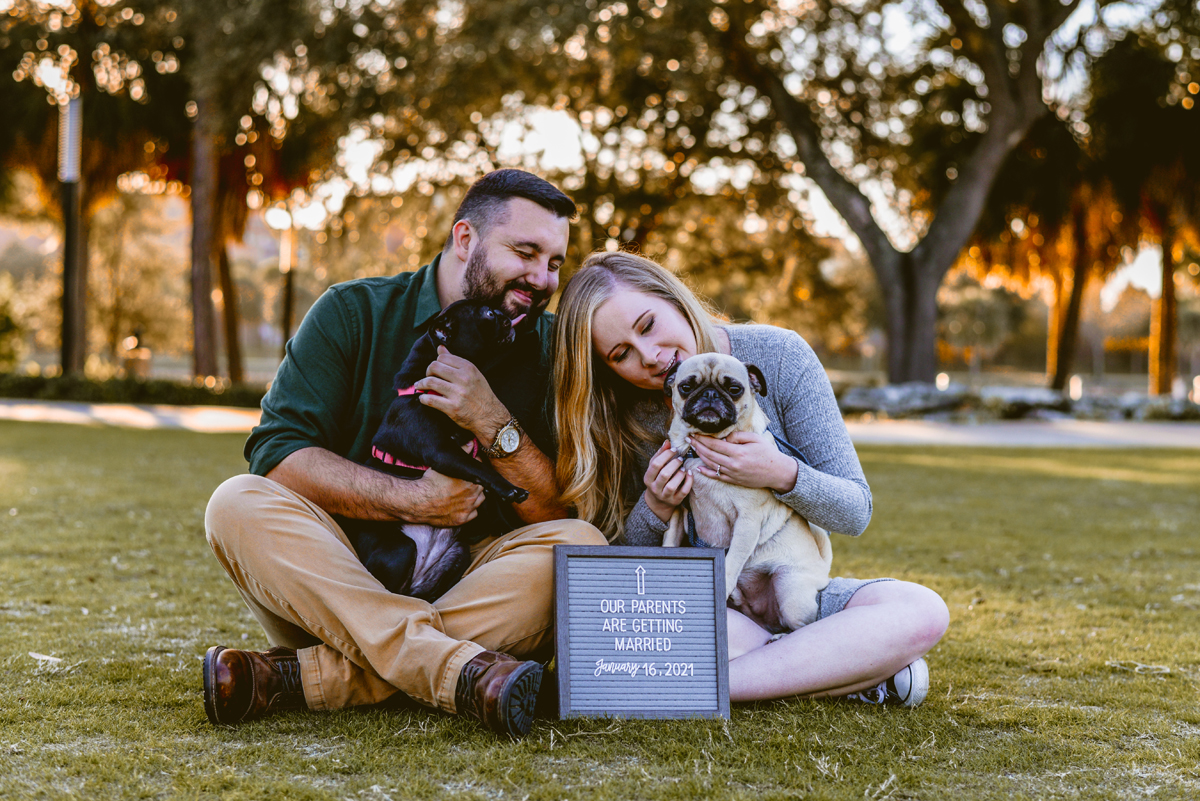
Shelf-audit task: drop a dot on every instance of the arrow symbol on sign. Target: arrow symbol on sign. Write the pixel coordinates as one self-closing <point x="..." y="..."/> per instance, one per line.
<point x="641" y="578"/>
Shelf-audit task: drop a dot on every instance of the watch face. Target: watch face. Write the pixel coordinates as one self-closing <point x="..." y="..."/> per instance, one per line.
<point x="509" y="440"/>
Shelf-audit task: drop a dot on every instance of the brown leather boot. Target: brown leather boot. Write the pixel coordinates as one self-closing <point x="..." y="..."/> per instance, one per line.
<point x="500" y="691"/>
<point x="245" y="685"/>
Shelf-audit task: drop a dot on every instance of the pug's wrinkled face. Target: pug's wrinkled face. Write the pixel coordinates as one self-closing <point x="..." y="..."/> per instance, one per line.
<point x="711" y="392"/>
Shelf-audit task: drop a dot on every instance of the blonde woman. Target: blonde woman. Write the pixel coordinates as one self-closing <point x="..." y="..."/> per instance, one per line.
<point x="622" y="323"/>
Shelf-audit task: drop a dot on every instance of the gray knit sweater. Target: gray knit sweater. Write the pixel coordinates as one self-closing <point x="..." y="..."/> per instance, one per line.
<point x="831" y="490"/>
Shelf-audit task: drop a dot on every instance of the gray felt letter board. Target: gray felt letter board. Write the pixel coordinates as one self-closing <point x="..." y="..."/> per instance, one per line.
<point x="641" y="632"/>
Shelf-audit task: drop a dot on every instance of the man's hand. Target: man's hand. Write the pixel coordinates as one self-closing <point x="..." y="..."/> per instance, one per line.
<point x="667" y="483"/>
<point x="464" y="395"/>
<point x="443" y="501"/>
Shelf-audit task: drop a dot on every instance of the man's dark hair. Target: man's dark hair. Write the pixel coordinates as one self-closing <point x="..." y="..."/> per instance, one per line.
<point x="486" y="200"/>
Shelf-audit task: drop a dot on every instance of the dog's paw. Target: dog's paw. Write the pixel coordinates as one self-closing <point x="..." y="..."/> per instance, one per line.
<point x="514" y="495"/>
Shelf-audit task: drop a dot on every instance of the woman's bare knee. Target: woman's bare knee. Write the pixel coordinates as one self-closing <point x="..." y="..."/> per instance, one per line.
<point x="928" y="614"/>
<point x="923" y="612"/>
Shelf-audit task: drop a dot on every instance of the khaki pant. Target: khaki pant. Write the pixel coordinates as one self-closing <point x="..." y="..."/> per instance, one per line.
<point x="358" y="643"/>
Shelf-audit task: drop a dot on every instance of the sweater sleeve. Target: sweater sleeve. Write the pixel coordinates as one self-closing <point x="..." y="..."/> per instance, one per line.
<point x="643" y="527"/>
<point x="831" y="489"/>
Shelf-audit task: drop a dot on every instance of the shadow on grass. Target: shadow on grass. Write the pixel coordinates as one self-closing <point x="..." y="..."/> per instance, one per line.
<point x="1071" y="668"/>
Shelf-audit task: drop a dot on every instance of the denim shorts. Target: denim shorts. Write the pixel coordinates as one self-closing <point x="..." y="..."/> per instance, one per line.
<point x="838" y="593"/>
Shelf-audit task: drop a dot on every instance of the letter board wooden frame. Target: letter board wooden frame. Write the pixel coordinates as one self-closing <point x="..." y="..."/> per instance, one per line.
<point x="641" y="632"/>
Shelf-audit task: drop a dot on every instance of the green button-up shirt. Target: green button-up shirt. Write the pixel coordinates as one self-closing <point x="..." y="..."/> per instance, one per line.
<point x="336" y="379"/>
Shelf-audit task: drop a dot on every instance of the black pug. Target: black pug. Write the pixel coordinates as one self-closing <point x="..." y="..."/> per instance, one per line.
<point x="416" y="560"/>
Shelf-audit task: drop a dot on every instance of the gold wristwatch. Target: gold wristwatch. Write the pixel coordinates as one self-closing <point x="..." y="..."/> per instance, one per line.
<point x="508" y="439"/>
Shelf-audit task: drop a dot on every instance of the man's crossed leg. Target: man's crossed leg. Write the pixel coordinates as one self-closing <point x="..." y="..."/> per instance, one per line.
<point x="343" y="640"/>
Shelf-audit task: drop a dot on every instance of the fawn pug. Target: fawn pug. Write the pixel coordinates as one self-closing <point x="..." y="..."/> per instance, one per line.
<point x="775" y="563"/>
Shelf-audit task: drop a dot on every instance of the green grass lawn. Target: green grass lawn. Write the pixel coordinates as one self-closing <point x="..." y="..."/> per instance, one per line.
<point x="1071" y="668"/>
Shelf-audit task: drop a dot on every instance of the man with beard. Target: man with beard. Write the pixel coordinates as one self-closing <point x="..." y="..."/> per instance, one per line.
<point x="341" y="639"/>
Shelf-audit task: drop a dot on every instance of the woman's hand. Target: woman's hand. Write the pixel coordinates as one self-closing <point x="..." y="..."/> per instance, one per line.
<point x="746" y="459"/>
<point x="667" y="483"/>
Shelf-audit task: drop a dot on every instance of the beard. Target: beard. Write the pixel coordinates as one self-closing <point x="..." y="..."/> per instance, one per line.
<point x="479" y="283"/>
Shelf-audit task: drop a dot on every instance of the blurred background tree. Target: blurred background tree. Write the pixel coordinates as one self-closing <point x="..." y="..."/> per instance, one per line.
<point x="736" y="142"/>
<point x="1051" y="220"/>
<point x="138" y="277"/>
<point x="754" y="100"/>
<point x="1073" y="199"/>
<point x="975" y="321"/>
<point x="1146" y="129"/>
<point x="660" y="163"/>
<point x="179" y="94"/>
<point x="239" y="58"/>
<point x="56" y="51"/>
<point x="12" y="333"/>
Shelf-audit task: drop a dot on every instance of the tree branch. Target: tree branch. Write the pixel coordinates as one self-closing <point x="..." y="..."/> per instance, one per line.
<point x="959" y="211"/>
<point x="962" y="206"/>
<point x="990" y="51"/>
<point x="845" y="197"/>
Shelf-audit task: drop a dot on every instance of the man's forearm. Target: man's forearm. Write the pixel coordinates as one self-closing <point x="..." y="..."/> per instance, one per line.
<point x="532" y="470"/>
<point x="342" y="487"/>
<point x="527" y="468"/>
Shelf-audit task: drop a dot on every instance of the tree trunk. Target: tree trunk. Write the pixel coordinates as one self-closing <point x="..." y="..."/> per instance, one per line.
<point x="230" y="315"/>
<point x="1054" y="327"/>
<point x="922" y="349"/>
<point x="204" y="219"/>
<point x="1163" y="321"/>
<point x="899" y="313"/>
<point x="912" y="315"/>
<point x="1068" y="335"/>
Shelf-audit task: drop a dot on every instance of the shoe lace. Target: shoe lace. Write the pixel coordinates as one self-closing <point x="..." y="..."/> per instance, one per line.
<point x="872" y="695"/>
<point x="464" y="695"/>
<point x="289" y="671"/>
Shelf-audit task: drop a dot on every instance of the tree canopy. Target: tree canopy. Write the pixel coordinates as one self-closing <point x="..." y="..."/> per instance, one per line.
<point x="715" y="135"/>
<point x="756" y="99"/>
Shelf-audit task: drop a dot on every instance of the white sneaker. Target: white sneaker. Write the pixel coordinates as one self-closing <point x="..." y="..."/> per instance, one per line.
<point x="907" y="688"/>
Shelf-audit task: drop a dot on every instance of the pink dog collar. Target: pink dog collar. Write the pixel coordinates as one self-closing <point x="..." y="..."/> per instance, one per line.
<point x="388" y="458"/>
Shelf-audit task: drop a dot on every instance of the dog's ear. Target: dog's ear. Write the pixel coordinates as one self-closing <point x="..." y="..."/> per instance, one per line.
<point x="757" y="381"/>
<point x="669" y="380"/>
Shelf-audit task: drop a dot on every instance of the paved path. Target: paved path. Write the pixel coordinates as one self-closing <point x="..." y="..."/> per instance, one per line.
<point x="1019" y="433"/>
<point x="212" y="419"/>
<point x="1029" y="433"/>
